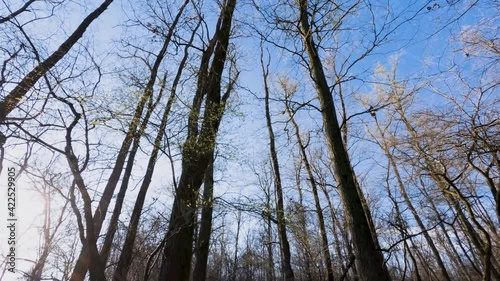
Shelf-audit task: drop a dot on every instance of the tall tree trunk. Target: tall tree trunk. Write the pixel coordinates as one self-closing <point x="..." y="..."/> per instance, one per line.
<point x="96" y="267"/>
<point x="369" y="258"/>
<point x="280" y="209"/>
<point x="483" y="246"/>
<point x="336" y="224"/>
<point x="401" y="225"/>
<point x="87" y="232"/>
<point x="197" y="152"/>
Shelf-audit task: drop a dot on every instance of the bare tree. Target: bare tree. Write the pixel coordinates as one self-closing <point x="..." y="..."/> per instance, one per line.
<point x="198" y="149"/>
<point x="369" y="258"/>
<point x="280" y="209"/>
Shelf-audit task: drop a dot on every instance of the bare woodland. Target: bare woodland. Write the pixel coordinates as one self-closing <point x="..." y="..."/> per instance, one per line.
<point x="248" y="140"/>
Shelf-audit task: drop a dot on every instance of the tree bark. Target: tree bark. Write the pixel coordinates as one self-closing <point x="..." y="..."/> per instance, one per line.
<point x="125" y="259"/>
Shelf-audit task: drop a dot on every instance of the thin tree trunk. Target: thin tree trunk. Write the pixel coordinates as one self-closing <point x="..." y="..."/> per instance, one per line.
<point x="235" y="257"/>
<point x="49" y="234"/>
<point x="125" y="259"/>
<point x="95" y="264"/>
<point x="343" y="232"/>
<point x="280" y="210"/>
<point x="401" y="226"/>
<point x="448" y="238"/>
